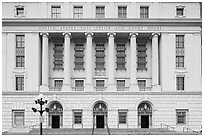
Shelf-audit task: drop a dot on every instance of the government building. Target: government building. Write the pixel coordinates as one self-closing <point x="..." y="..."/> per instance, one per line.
<point x="102" y="64"/>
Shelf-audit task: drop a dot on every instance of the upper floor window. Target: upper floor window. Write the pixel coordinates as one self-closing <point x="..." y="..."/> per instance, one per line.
<point x="79" y="57"/>
<point x="141" y="84"/>
<point x="180" y="51"/>
<point x="58" y="83"/>
<point x="79" y="85"/>
<point x="58" y="57"/>
<point x="100" y="12"/>
<point x="19" y="10"/>
<point x="141" y="57"/>
<point x="180" y="83"/>
<point x="18" y="118"/>
<point x="179" y="41"/>
<point x="100" y="57"/>
<point x="19" y="83"/>
<point x="144" y="12"/>
<point x="55" y="11"/>
<point x="20" y="49"/>
<point x="78" y="11"/>
<point x="121" y="57"/>
<point x="120" y="85"/>
<point x="122" y="12"/>
<point x="100" y="85"/>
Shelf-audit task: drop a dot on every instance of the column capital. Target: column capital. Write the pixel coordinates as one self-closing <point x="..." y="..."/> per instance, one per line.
<point x="155" y="34"/>
<point x="44" y="34"/>
<point x="89" y="34"/>
<point x="111" y="33"/>
<point x="66" y="34"/>
<point x="133" y="34"/>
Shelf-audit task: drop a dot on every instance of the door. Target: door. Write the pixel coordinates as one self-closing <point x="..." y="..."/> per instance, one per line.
<point x="145" y="121"/>
<point x="56" y="121"/>
<point x="100" y="121"/>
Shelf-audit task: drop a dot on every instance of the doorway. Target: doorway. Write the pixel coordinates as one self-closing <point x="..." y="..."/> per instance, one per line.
<point x="56" y="121"/>
<point x="144" y="121"/>
<point x="100" y="121"/>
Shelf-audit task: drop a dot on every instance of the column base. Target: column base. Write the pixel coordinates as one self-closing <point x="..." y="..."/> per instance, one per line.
<point x="89" y="88"/>
<point x="134" y="88"/>
<point x="111" y="88"/>
<point x="156" y="88"/>
<point x="66" y="87"/>
<point x="44" y="88"/>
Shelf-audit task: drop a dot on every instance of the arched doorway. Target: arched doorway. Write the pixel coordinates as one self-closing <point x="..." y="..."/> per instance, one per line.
<point x="55" y="115"/>
<point x="100" y="112"/>
<point x="144" y="115"/>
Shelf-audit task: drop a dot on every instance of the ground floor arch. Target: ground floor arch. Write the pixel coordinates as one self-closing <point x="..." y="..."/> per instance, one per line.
<point x="145" y="115"/>
<point x="55" y="115"/>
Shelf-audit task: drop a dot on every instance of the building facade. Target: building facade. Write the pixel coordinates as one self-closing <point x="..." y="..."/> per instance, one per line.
<point x="115" y="64"/>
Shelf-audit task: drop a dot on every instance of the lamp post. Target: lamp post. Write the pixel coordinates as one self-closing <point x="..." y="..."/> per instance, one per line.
<point x="41" y="101"/>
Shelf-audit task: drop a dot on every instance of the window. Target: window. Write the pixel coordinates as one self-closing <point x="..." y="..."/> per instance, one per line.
<point x="78" y="11"/>
<point x="20" y="49"/>
<point x="100" y="12"/>
<point x="120" y="85"/>
<point x="122" y="12"/>
<point x="79" y="85"/>
<point x="179" y="51"/>
<point x="19" y="11"/>
<point x="18" y="118"/>
<point x="181" y="116"/>
<point x="55" y="11"/>
<point x="19" y="83"/>
<point x="58" y="83"/>
<point x="77" y="117"/>
<point x="180" y="83"/>
<point x="58" y="57"/>
<point x="179" y="11"/>
<point x="122" y="116"/>
<point x="100" y="57"/>
<point x="120" y="57"/>
<point x="79" y="57"/>
<point x="142" y="85"/>
<point x="144" y="12"/>
<point x="141" y="57"/>
<point x="100" y="85"/>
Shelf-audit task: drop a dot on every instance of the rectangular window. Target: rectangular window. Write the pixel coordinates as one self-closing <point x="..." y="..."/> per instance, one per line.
<point x="141" y="57"/>
<point x="120" y="85"/>
<point x="77" y="117"/>
<point x="79" y="57"/>
<point x="181" y="116"/>
<point x="179" y="61"/>
<point x="144" y="12"/>
<point x="55" y="11"/>
<point x="19" y="11"/>
<point x="100" y="12"/>
<point x="19" y="83"/>
<point x="179" y="11"/>
<point x="179" y="41"/>
<point x="100" y="57"/>
<point x="100" y="85"/>
<point x="20" y="50"/>
<point x="122" y="12"/>
<point x="122" y="116"/>
<point x="180" y="83"/>
<point x="121" y="57"/>
<point x="58" y="83"/>
<point x="79" y="85"/>
<point x="142" y="85"/>
<point x="179" y="51"/>
<point x="18" y="118"/>
<point x="78" y="11"/>
<point x="58" y="57"/>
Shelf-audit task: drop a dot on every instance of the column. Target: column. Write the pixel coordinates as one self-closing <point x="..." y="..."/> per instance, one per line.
<point x="89" y="67"/>
<point x="66" y="82"/>
<point x="111" y="62"/>
<point x="45" y="64"/>
<point x="155" y="62"/>
<point x="133" y="64"/>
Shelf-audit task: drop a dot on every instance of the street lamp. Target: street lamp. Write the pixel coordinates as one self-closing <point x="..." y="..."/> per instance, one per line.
<point x="40" y="100"/>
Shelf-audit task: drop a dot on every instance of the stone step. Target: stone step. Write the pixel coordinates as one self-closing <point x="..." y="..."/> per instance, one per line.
<point x="19" y="130"/>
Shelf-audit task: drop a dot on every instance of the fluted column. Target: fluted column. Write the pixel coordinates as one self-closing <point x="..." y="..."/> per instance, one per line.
<point x="133" y="64"/>
<point x="111" y="62"/>
<point x="45" y="65"/>
<point x="155" y="62"/>
<point x="89" y="67"/>
<point x="66" y="82"/>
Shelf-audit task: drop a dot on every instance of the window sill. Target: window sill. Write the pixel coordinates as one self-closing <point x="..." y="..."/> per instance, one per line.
<point x="19" y="16"/>
<point x="20" y="68"/>
<point x="180" y="16"/>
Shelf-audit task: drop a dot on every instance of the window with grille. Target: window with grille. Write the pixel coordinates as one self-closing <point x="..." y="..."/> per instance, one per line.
<point x="141" y="57"/>
<point x="100" y="57"/>
<point x="122" y="12"/>
<point x="58" y="57"/>
<point x="58" y="83"/>
<point x="79" y="85"/>
<point x="55" y="11"/>
<point x="121" y="57"/>
<point x="180" y="83"/>
<point x="181" y="116"/>
<point x="77" y="117"/>
<point x="179" y="51"/>
<point x="144" y="12"/>
<point x="20" y="50"/>
<point x="79" y="57"/>
<point x="100" y="85"/>
<point x="179" y="11"/>
<point x="122" y="116"/>
<point x="18" y="118"/>
<point x="78" y="11"/>
<point x="142" y="85"/>
<point x="19" y="83"/>
<point x="100" y="12"/>
<point x="120" y="85"/>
